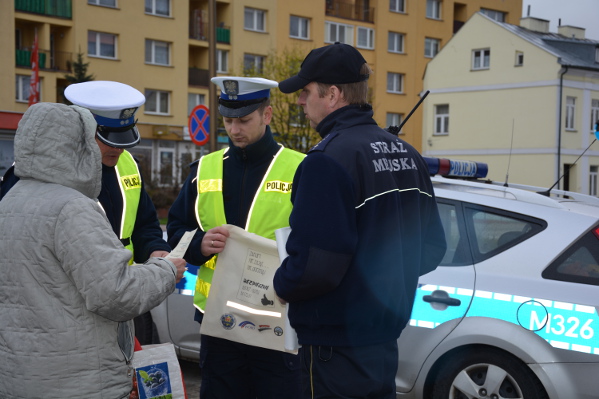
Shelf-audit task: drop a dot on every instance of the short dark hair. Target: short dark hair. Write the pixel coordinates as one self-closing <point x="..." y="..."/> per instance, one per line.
<point x="353" y="93"/>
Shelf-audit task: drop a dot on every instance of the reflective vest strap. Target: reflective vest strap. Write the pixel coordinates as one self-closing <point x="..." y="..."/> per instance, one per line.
<point x="203" y="283"/>
<point x="129" y="180"/>
<point x="210" y="208"/>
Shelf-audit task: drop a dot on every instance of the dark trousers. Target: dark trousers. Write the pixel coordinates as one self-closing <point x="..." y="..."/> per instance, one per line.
<point x="349" y="372"/>
<point x="234" y="370"/>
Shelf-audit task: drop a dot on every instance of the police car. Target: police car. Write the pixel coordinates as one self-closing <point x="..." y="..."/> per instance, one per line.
<point x="511" y="312"/>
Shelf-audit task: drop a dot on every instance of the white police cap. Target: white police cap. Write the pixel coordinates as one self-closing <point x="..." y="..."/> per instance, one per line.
<point x="241" y="95"/>
<point x="113" y="105"/>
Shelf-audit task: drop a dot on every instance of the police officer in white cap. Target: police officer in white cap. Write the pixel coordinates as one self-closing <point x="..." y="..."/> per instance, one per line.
<point x="126" y="203"/>
<point x="244" y="169"/>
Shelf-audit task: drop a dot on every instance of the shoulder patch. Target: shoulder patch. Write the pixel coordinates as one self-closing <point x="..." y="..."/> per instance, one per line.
<point x="322" y="144"/>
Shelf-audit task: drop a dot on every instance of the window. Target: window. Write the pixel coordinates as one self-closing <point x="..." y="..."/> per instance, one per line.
<point x="394" y="82"/>
<point x="22" y="88"/>
<point x="166" y="164"/>
<point x="299" y="28"/>
<point x="570" y="112"/>
<point x="578" y="264"/>
<point x="158" y="7"/>
<point x="254" y="19"/>
<point x="496" y="15"/>
<point x="101" y="44"/>
<point x="222" y="61"/>
<point x="593" y="180"/>
<point x="157" y="52"/>
<point x="481" y="59"/>
<point x="193" y="100"/>
<point x="253" y="64"/>
<point x="341" y="33"/>
<point x="394" y="119"/>
<point x="519" y="58"/>
<point x="395" y="42"/>
<point x="597" y="54"/>
<point x="431" y="47"/>
<point x="105" y="3"/>
<point x="594" y="115"/>
<point x="442" y="119"/>
<point x="433" y="9"/>
<point x="397" y="5"/>
<point x="157" y="102"/>
<point x="365" y="38"/>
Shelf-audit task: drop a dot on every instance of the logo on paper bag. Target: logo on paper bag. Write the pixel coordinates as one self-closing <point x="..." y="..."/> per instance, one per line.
<point x="228" y="321"/>
<point x="153" y="381"/>
<point x="247" y="324"/>
<point x="278" y="331"/>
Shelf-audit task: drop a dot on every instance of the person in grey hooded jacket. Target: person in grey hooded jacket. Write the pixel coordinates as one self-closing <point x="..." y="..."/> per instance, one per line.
<point x="67" y="294"/>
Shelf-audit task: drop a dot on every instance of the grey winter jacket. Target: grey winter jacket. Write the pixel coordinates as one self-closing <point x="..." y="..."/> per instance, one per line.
<point x="64" y="280"/>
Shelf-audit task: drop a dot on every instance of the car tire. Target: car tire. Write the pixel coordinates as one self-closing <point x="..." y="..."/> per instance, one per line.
<point x="145" y="329"/>
<point x="486" y="372"/>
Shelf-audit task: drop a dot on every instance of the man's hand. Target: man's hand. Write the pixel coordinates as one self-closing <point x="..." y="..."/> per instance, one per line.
<point x="214" y="241"/>
<point x="181" y="266"/>
<point x="159" y="254"/>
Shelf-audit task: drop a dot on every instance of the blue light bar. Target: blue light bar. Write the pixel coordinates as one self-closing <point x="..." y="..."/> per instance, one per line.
<point x="456" y="168"/>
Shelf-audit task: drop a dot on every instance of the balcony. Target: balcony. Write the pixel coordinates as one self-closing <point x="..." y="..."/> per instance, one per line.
<point x="359" y="11"/>
<point x="59" y="61"/>
<point x="53" y="8"/>
<point x="198" y="28"/>
<point x="198" y="77"/>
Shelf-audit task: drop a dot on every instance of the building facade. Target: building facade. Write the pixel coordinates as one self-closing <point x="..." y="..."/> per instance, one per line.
<point x="168" y="49"/>
<point x="519" y="98"/>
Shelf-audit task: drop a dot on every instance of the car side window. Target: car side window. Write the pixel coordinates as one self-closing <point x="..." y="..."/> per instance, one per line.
<point x="492" y="231"/>
<point x="458" y="249"/>
<point x="579" y="263"/>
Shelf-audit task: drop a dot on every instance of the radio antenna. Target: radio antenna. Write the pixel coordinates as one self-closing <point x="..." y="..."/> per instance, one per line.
<point x="563" y="174"/>
<point x="509" y="161"/>
<point x="396" y="129"/>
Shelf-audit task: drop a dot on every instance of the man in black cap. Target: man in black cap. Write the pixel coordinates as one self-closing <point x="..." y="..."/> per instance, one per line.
<point x="364" y="227"/>
<point x="231" y="186"/>
<point x="127" y="205"/>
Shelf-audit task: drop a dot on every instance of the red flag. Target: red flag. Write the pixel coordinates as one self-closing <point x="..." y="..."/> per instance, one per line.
<point x="34" y="83"/>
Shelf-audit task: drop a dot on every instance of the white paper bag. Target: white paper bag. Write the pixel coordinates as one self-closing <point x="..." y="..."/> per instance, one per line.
<point x="242" y="305"/>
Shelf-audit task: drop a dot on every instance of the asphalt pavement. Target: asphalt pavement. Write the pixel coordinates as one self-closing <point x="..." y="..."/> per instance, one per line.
<point x="191" y="378"/>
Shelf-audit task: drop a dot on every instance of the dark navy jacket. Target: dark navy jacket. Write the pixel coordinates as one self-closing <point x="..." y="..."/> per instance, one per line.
<point x="147" y="234"/>
<point x="243" y="171"/>
<point x="365" y="226"/>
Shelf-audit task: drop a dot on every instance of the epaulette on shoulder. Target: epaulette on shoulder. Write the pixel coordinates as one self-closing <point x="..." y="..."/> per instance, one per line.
<point x="322" y="144"/>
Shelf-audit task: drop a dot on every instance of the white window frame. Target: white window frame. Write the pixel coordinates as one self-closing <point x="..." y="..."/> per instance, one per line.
<point x="162" y="149"/>
<point x="493" y="14"/>
<point x="394" y="119"/>
<point x="152" y="48"/>
<point x="395" y="42"/>
<point x="160" y="95"/>
<point x="481" y="59"/>
<point x="22" y="84"/>
<point x="301" y="25"/>
<point x="222" y="61"/>
<point x="441" y="120"/>
<point x="433" y="9"/>
<point x="97" y="50"/>
<point x="103" y="3"/>
<point x="593" y="174"/>
<point x="256" y="60"/>
<point x="431" y="47"/>
<point x="333" y="31"/>
<point x="594" y="113"/>
<point x="193" y="100"/>
<point x="397" y="6"/>
<point x="258" y="17"/>
<point x="570" y="121"/>
<point x="365" y="38"/>
<point x="519" y="58"/>
<point x="395" y="82"/>
<point x="152" y="7"/>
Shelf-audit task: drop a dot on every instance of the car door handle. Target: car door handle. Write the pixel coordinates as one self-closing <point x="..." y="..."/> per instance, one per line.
<point x="441" y="297"/>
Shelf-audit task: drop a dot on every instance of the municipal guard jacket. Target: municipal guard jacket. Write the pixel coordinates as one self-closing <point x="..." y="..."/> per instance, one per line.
<point x="66" y="286"/>
<point x="243" y="171"/>
<point x="365" y="226"/>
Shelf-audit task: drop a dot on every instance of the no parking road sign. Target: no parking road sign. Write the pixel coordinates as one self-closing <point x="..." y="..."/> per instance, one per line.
<point x="199" y="125"/>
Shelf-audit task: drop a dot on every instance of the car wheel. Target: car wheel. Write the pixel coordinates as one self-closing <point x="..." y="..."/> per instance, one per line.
<point x="486" y="373"/>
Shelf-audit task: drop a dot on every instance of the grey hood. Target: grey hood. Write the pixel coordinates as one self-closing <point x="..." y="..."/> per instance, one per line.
<point x="49" y="129"/>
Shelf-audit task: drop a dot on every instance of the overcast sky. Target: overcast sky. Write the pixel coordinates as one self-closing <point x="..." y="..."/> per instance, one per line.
<point x="580" y="13"/>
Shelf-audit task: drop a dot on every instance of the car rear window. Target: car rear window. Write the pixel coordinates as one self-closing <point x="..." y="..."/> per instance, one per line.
<point x="579" y="263"/>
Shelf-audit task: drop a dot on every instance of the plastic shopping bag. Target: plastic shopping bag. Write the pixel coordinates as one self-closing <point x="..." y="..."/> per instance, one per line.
<point x="157" y="372"/>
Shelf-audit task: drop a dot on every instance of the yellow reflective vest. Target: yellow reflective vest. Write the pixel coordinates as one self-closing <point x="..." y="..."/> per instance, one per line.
<point x="129" y="180"/>
<point x="269" y="211"/>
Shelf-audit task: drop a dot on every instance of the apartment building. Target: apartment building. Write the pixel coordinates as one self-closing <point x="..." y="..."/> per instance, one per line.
<point x="519" y="98"/>
<point x="167" y="50"/>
